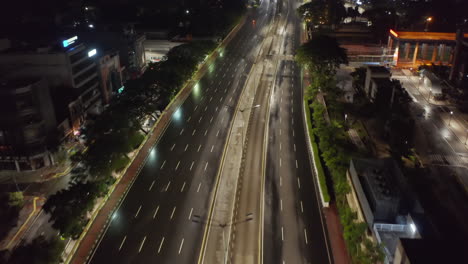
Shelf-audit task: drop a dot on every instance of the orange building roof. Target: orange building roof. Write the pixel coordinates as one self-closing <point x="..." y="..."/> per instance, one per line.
<point x="424" y="35"/>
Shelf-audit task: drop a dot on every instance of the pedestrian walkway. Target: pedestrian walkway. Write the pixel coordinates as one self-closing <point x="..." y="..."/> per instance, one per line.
<point x="30" y="210"/>
<point x="455" y="160"/>
<point x="335" y="234"/>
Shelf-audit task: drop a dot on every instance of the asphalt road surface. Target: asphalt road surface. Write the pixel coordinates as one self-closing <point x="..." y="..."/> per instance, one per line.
<point x="294" y="230"/>
<point x="153" y="224"/>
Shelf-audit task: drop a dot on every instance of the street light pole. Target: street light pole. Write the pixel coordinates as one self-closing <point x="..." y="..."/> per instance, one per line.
<point x="450" y="120"/>
<point x="248" y="217"/>
<point x="466" y="139"/>
<point x="429" y="19"/>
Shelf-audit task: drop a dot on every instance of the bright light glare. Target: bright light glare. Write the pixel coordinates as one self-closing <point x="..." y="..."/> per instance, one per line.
<point x="92" y="52"/>
<point x="178" y="114"/>
<point x="91" y="26"/>
<point x="413" y="228"/>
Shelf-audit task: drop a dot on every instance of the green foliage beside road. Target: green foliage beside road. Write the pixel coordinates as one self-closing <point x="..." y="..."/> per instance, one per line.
<point x="322" y="56"/>
<point x="39" y="251"/>
<point x="10" y="205"/>
<point x="317" y="159"/>
<point x="119" y="131"/>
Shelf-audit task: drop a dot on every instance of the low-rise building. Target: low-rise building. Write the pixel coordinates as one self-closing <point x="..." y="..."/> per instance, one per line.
<point x="27" y="124"/>
<point x="155" y="50"/>
<point x="381" y="198"/>
<point x="68" y="66"/>
<point x="374" y="72"/>
<point x="110" y="74"/>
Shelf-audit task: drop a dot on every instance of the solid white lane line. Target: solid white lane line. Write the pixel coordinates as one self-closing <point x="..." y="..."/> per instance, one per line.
<point x="281" y="205"/>
<point x="162" y="166"/>
<point x="173" y="146"/>
<point x="186" y="147"/>
<point x="305" y="236"/>
<point x="123" y="241"/>
<point x="167" y="186"/>
<point x="172" y="214"/>
<point x="282" y="234"/>
<point x="193" y="133"/>
<point x="177" y="166"/>
<point x="193" y="162"/>
<point x="212" y="147"/>
<point x="206" y="131"/>
<point x="302" y="208"/>
<point x="182" y="131"/>
<point x="298" y="182"/>
<point x="151" y="186"/>
<point x="217" y="133"/>
<point x="141" y="245"/>
<point x="206" y="165"/>
<point x="183" y="186"/>
<point x="294" y="147"/>
<point x="190" y="215"/>
<point x="297" y="165"/>
<point x="160" y="245"/>
<point x="199" y="185"/>
<point x="138" y="211"/>
<point x="198" y="150"/>
<point x="155" y="212"/>
<point x="181" y="245"/>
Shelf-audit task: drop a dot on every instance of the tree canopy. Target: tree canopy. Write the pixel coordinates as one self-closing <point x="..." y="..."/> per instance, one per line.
<point x="322" y="54"/>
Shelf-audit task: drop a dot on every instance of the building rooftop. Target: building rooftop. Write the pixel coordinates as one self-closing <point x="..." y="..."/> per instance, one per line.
<point x="382" y="82"/>
<point x="379" y="174"/>
<point x="435" y="36"/>
<point x="17" y="83"/>
<point x="378" y="69"/>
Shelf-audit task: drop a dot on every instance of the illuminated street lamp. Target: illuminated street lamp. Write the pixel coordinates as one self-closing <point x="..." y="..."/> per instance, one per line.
<point x="451" y="114"/>
<point x="428" y="20"/>
<point x="466" y="139"/>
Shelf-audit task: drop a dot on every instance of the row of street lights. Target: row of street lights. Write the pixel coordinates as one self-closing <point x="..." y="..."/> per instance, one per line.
<point x="450" y="121"/>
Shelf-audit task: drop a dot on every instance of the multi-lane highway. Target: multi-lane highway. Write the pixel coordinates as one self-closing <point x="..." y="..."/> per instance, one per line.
<point x="153" y="223"/>
<point x="294" y="227"/>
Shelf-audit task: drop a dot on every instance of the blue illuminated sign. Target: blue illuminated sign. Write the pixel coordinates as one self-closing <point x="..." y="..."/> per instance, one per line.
<point x="69" y="41"/>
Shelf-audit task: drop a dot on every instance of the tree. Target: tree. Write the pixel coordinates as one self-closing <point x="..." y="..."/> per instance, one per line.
<point x="39" y="251"/>
<point x="10" y="206"/>
<point x="313" y="12"/>
<point x="322" y="56"/>
<point x="68" y="207"/>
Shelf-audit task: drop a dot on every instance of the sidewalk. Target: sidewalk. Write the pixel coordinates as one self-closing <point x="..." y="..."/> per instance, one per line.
<point x="91" y="235"/>
<point x="335" y="233"/>
<point x="30" y="210"/>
